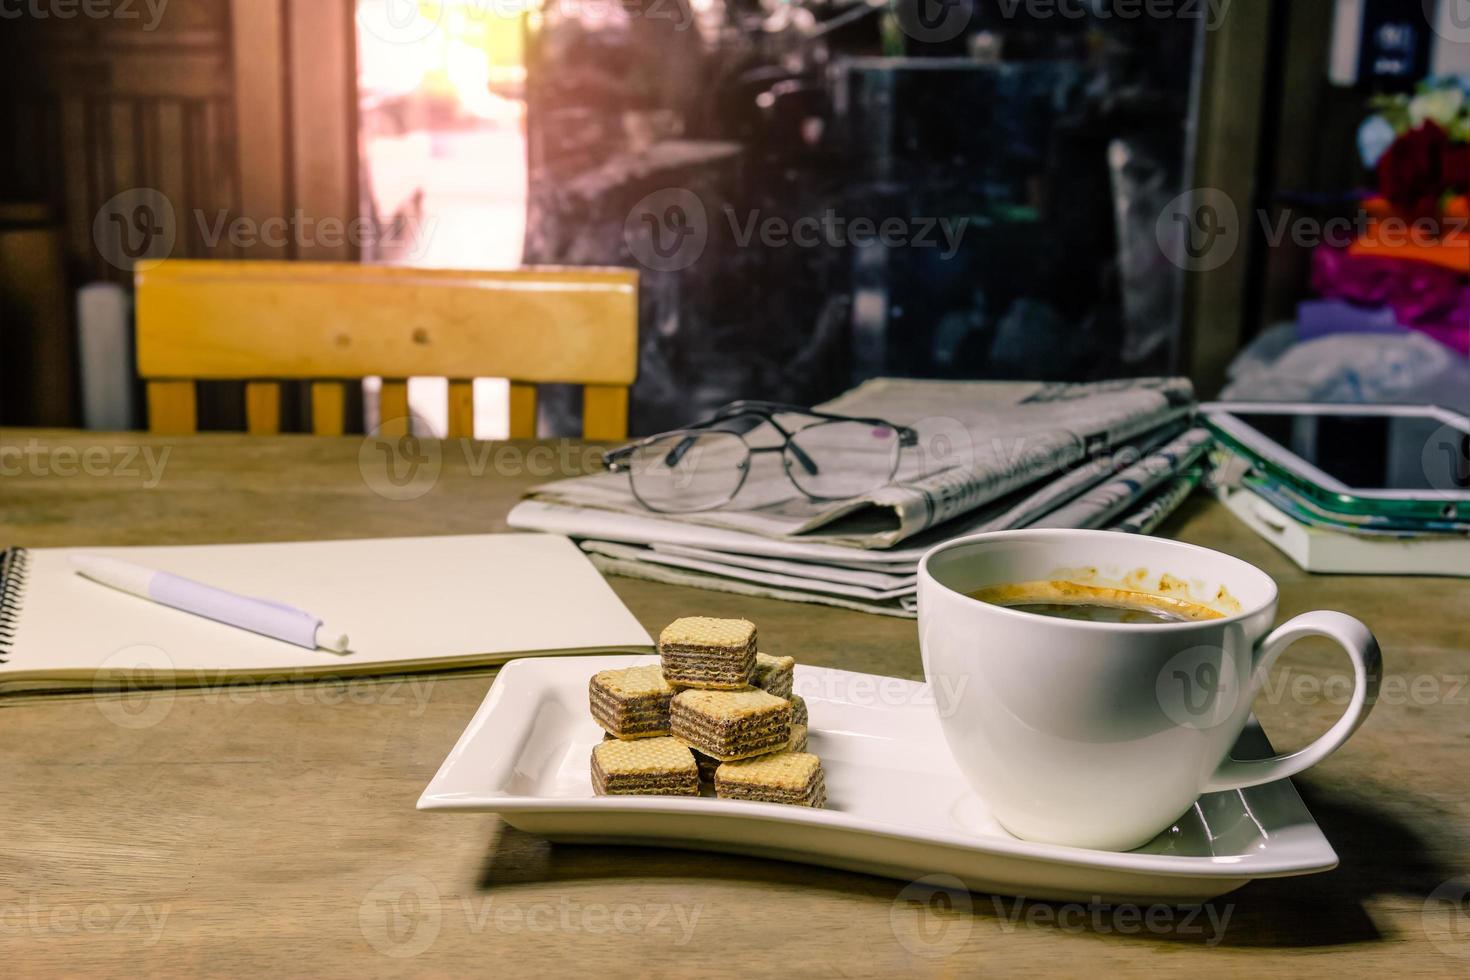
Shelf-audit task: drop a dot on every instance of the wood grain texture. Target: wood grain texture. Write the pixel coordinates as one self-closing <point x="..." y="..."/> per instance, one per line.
<point x="213" y="319"/>
<point x="604" y="412"/>
<point x="172" y="407"/>
<point x="393" y="413"/>
<point x="258" y="40"/>
<point x="461" y="409"/>
<point x="262" y="408"/>
<point x="328" y="408"/>
<point x="522" y="411"/>
<point x="324" y="126"/>
<point x="272" y="830"/>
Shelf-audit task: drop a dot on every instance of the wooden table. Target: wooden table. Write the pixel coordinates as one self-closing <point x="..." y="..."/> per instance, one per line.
<point x="273" y="830"/>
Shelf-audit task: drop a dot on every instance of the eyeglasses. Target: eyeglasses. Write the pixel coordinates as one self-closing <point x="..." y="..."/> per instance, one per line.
<point x="702" y="467"/>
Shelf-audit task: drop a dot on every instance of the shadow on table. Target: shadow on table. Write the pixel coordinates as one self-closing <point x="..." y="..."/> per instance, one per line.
<point x="1380" y="856"/>
<point x="517" y="858"/>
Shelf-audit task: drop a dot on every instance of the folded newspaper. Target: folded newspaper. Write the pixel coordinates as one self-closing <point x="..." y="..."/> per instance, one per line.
<point x="990" y="456"/>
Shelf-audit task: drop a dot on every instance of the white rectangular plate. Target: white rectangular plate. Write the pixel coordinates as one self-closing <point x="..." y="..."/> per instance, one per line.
<point x="896" y="803"/>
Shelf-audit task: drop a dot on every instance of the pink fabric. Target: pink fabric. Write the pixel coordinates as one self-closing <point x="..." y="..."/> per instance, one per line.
<point x="1424" y="297"/>
<point x="1418" y="292"/>
<point x="1454" y="336"/>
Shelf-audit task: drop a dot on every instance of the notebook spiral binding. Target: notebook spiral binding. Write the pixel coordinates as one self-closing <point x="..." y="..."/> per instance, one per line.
<point x="12" y="583"/>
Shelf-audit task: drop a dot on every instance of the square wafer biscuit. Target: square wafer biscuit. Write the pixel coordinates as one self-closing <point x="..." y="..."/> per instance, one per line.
<point x="773" y="674"/>
<point x="708" y="764"/>
<point x="798" y="738"/>
<point x="645" y="767"/>
<point x="730" y="724"/>
<point x="798" y="710"/>
<point x="632" y="702"/>
<point x="712" y="654"/>
<point x="784" y="777"/>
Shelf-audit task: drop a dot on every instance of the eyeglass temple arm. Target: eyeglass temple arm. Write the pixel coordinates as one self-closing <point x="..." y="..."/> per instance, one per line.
<point x="614" y="460"/>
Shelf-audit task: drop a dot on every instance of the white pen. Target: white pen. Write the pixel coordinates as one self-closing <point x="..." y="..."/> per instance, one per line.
<point x="262" y="616"/>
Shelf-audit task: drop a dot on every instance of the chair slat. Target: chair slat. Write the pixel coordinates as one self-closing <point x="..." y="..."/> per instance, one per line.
<point x="393" y="407"/>
<point x="522" y="410"/>
<point x="223" y="319"/>
<point x="263" y="408"/>
<point x="328" y="408"/>
<point x="604" y="413"/>
<point x="461" y="409"/>
<point x="171" y="408"/>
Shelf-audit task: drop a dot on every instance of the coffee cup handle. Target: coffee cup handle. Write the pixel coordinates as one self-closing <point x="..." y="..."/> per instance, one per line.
<point x="1361" y="648"/>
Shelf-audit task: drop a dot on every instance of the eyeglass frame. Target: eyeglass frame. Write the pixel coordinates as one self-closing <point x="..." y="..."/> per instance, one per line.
<point x="615" y="460"/>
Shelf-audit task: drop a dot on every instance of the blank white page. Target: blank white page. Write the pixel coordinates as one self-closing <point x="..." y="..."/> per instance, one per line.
<point x="405" y="603"/>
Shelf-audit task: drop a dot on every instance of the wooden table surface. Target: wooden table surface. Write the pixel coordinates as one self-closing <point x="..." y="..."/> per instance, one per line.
<point x="273" y="830"/>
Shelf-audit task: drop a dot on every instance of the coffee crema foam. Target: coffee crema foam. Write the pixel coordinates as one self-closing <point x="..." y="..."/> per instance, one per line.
<point x="1104" y="600"/>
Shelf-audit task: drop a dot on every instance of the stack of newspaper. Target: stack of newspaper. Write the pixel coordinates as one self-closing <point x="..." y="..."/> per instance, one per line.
<point x="990" y="456"/>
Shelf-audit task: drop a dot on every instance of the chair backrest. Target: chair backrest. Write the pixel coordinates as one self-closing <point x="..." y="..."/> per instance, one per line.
<point x="327" y="322"/>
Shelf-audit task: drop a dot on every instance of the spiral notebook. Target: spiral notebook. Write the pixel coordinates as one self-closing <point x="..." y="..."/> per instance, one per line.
<point x="408" y="604"/>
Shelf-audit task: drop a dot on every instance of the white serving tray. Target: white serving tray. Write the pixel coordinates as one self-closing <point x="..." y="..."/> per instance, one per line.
<point x="896" y="803"/>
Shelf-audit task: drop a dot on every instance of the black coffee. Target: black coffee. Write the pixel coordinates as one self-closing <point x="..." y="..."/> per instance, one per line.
<point x="1093" y="603"/>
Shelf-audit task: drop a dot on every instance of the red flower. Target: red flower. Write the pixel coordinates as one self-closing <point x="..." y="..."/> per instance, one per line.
<point x="1412" y="173"/>
<point x="1457" y="167"/>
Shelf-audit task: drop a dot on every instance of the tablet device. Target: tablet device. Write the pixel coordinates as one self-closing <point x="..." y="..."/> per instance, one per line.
<point x="1402" y="461"/>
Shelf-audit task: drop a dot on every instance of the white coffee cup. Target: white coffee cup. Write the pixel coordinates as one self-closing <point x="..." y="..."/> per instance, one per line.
<point x="1099" y="734"/>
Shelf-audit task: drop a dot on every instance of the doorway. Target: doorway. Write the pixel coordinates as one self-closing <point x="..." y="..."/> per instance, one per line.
<point x="442" y="150"/>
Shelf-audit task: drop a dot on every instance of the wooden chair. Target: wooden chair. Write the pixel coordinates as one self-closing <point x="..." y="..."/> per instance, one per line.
<point x="326" y="322"/>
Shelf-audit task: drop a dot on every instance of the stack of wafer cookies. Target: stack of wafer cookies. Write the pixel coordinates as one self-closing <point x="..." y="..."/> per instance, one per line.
<point x="716" y="699"/>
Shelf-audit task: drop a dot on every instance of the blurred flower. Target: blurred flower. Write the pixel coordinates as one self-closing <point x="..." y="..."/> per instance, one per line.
<point x="1440" y="106"/>
<point x="1375" y="136"/>
<point x="1395" y="111"/>
<point x="1420" y="146"/>
<point x="1411" y="173"/>
<point x="1457" y="168"/>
